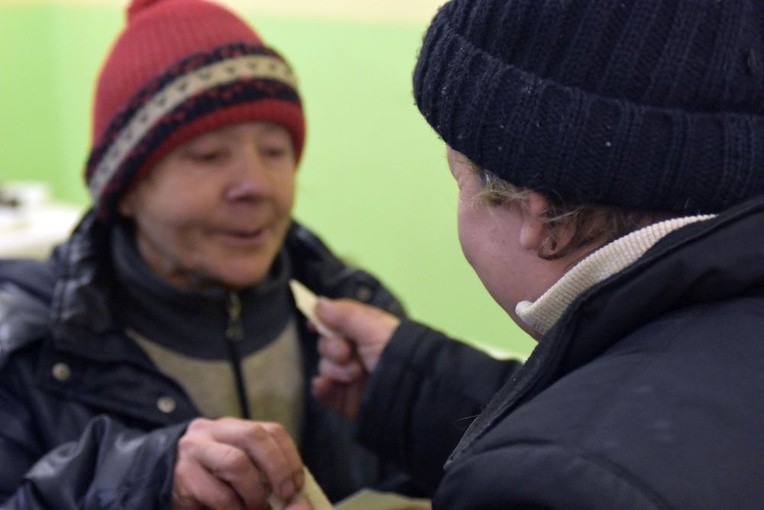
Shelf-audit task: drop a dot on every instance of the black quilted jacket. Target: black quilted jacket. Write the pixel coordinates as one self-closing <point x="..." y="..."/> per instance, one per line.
<point x="81" y="425"/>
<point x="647" y="394"/>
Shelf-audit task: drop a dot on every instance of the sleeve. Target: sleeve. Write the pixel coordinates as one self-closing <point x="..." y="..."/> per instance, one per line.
<point x="549" y="476"/>
<point x="424" y="393"/>
<point x="108" y="466"/>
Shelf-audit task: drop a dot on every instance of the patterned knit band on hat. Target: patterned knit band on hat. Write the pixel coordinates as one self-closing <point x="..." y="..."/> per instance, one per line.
<point x="644" y="104"/>
<point x="180" y="68"/>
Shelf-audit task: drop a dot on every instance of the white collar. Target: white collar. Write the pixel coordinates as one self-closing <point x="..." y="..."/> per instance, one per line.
<point x="542" y="314"/>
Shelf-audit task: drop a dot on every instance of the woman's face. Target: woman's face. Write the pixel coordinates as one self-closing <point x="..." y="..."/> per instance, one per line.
<point x="215" y="211"/>
<point x="498" y="240"/>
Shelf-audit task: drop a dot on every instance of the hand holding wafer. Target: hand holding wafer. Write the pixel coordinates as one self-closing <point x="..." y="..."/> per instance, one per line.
<point x="359" y="334"/>
<point x="310" y="494"/>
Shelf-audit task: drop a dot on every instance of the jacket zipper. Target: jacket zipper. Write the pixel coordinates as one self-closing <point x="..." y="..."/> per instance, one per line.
<point x="234" y="334"/>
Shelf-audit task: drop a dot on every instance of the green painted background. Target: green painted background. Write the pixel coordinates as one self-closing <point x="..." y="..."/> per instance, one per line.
<point x="373" y="182"/>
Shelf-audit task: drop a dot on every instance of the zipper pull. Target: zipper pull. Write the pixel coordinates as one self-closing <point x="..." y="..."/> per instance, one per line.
<point x="234" y="332"/>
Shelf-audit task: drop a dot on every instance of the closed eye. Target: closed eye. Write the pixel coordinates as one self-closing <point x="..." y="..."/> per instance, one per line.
<point x="276" y="152"/>
<point x="207" y="156"/>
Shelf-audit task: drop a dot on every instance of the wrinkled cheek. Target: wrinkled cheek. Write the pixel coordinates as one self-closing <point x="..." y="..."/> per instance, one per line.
<point x="284" y="198"/>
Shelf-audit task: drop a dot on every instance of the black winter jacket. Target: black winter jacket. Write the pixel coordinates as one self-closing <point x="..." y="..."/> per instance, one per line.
<point x="646" y="394"/>
<point x="81" y="427"/>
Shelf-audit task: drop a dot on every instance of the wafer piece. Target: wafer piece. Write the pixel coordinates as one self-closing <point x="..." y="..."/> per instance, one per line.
<point x="310" y="491"/>
<point x="306" y="301"/>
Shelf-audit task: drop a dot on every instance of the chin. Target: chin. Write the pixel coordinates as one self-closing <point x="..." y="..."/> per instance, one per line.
<point x="243" y="281"/>
<point x="248" y="274"/>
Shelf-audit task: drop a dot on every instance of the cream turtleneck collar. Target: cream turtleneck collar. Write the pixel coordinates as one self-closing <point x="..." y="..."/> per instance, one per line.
<point x="542" y="314"/>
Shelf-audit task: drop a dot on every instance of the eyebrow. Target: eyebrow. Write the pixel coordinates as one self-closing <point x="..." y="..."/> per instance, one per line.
<point x="274" y="127"/>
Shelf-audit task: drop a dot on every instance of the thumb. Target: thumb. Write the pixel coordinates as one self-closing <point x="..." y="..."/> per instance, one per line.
<point x="350" y="319"/>
<point x="368" y="327"/>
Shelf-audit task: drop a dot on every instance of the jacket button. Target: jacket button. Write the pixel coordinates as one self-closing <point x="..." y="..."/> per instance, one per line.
<point x="363" y="293"/>
<point x="61" y="371"/>
<point x="166" y="404"/>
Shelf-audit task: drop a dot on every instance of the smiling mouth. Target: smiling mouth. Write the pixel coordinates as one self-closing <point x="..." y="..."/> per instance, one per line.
<point x="246" y="235"/>
<point x="249" y="233"/>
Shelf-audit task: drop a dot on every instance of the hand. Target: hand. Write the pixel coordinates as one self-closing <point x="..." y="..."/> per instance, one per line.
<point x="235" y="464"/>
<point x="348" y="359"/>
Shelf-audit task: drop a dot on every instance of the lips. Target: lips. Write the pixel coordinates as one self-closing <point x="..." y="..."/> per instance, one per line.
<point x="245" y="235"/>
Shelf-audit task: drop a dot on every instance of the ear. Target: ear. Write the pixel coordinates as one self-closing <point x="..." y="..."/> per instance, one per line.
<point x="126" y="205"/>
<point x="533" y="230"/>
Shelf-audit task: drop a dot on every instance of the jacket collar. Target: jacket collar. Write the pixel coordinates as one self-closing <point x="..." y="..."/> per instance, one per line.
<point x="82" y="321"/>
<point x="87" y="322"/>
<point x="703" y="262"/>
<point x="195" y="322"/>
<point x="598" y="266"/>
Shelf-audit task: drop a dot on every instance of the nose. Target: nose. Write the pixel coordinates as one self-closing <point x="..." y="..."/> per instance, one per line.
<point x="249" y="178"/>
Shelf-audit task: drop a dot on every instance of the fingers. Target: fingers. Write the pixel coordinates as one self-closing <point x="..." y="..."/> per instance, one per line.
<point x="235" y="461"/>
<point x="222" y="477"/>
<point x="201" y="488"/>
<point x="352" y="318"/>
<point x="369" y="328"/>
<point x="346" y="360"/>
<point x="342" y="397"/>
<point x="270" y="448"/>
<point x="346" y="373"/>
<point x="339" y="360"/>
<point x="321" y="388"/>
<point x="328" y="392"/>
<point x="293" y="463"/>
<point x="335" y="349"/>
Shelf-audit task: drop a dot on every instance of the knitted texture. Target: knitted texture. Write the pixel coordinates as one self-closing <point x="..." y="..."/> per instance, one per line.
<point x="645" y="104"/>
<point x="180" y="68"/>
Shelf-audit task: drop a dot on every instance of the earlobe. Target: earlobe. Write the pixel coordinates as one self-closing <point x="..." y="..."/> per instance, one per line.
<point x="126" y="207"/>
<point x="533" y="231"/>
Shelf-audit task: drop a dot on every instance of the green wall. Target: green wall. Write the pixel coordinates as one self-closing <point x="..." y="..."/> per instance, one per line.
<point x="373" y="183"/>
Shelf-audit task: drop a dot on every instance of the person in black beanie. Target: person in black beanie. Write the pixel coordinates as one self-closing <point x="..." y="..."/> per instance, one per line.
<point x="610" y="164"/>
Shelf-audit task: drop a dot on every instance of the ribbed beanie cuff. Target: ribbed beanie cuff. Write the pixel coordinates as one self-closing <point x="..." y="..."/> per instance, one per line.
<point x="644" y="104"/>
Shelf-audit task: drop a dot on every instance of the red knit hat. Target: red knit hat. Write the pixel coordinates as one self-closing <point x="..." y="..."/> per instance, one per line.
<point x="180" y="68"/>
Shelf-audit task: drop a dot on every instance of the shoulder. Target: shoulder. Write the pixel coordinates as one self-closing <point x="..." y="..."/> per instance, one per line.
<point x="35" y="277"/>
<point x="26" y="288"/>
<point x="635" y="421"/>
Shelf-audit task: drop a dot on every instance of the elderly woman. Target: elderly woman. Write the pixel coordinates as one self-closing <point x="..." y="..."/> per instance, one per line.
<point x="157" y="358"/>
<point x="609" y="162"/>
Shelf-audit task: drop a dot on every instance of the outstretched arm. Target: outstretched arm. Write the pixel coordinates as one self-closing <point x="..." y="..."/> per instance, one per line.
<point x="412" y="390"/>
<point x="359" y="334"/>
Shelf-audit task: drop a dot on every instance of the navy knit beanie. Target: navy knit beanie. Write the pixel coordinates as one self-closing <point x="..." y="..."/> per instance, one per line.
<point x="644" y="104"/>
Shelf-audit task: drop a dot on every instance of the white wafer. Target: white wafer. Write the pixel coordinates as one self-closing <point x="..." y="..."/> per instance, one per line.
<point x="306" y="301"/>
<point x="310" y="491"/>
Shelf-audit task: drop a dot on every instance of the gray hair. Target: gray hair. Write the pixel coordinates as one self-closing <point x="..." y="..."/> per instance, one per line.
<point x="593" y="225"/>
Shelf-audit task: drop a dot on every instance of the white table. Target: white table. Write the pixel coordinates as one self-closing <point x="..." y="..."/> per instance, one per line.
<point x="32" y="231"/>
